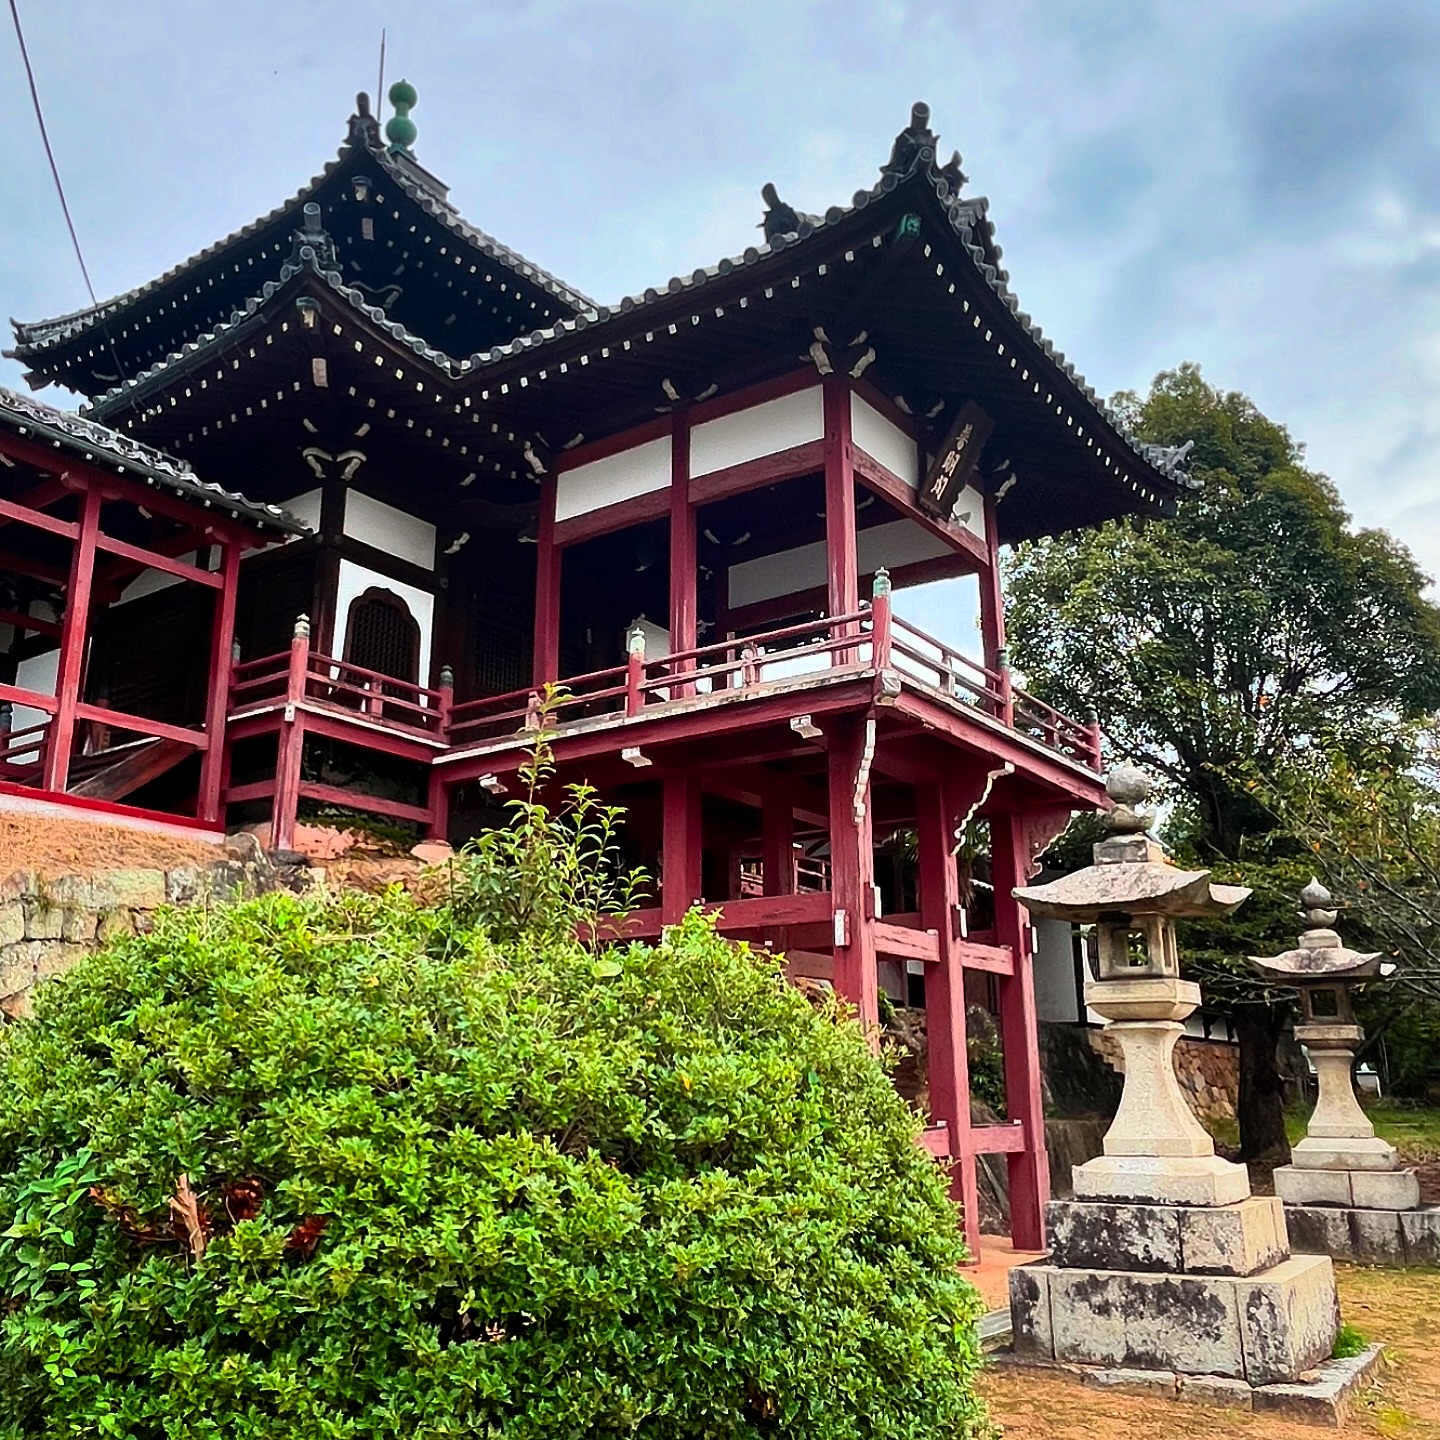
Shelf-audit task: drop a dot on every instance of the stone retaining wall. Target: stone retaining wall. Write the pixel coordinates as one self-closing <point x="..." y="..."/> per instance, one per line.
<point x="1208" y="1071"/>
<point x="47" y="924"/>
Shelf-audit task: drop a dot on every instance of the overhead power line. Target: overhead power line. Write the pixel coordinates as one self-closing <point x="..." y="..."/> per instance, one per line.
<point x="49" y="151"/>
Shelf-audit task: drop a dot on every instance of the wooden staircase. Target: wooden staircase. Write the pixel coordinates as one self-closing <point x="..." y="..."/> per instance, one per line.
<point x="121" y="770"/>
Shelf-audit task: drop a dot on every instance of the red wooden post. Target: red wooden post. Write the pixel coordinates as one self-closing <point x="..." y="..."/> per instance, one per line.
<point x="777" y="844"/>
<point x="680" y="856"/>
<point x="880" y="620"/>
<point x="291" y="742"/>
<point x="73" y="637"/>
<point x="634" y="671"/>
<point x="684" y="566"/>
<point x="992" y="616"/>
<point x="850" y="740"/>
<point x="222" y="668"/>
<point x="843" y="566"/>
<point x="1097" y="741"/>
<point x="548" y="563"/>
<point x="1020" y="1036"/>
<point x="949" y="1066"/>
<point x="438" y="794"/>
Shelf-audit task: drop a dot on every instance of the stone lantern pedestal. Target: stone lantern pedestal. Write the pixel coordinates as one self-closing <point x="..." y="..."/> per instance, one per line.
<point x="1163" y="1264"/>
<point x="1345" y="1193"/>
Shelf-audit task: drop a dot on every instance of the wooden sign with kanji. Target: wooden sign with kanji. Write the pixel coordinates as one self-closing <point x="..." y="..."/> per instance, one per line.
<point x="952" y="467"/>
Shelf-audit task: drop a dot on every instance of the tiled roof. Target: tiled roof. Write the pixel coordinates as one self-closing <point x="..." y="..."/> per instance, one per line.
<point x="33" y="338"/>
<point x="102" y="446"/>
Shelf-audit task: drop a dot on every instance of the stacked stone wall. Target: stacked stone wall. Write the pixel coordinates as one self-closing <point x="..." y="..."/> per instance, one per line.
<point x="48" y="923"/>
<point x="1208" y="1071"/>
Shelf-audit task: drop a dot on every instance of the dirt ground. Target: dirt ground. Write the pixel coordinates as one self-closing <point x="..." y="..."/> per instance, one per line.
<point x="1399" y="1308"/>
<point x="54" y="847"/>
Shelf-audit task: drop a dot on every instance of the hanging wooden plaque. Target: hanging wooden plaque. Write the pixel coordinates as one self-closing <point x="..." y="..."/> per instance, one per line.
<point x="952" y="468"/>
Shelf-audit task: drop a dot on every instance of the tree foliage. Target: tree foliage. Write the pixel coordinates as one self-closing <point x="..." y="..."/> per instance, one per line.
<point x="353" y="1167"/>
<point x="1216" y="645"/>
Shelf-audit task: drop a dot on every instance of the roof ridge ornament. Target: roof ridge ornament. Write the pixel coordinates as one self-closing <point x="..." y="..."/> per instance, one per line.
<point x="914" y="145"/>
<point x="400" y="129"/>
<point x="780" y="218"/>
<point x="314" y="237"/>
<point x="364" y="128"/>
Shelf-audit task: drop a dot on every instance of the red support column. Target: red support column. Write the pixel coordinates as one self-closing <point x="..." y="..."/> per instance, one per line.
<point x="777" y="844"/>
<point x="438" y="794"/>
<point x="222" y="666"/>
<point x="74" y="634"/>
<point x="291" y="742"/>
<point x="680" y="854"/>
<point x="548" y="561"/>
<point x="992" y="613"/>
<point x="684" y="569"/>
<point x="949" y="1066"/>
<point x="851" y="741"/>
<point x="1020" y="1036"/>
<point x="843" y="566"/>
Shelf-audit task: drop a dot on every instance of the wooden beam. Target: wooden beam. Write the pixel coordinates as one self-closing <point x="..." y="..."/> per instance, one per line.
<point x="141" y="724"/>
<point x="72" y="646"/>
<point x="900" y="942"/>
<point x="805" y="459"/>
<point x="355" y="800"/>
<point x="153" y="560"/>
<point x="639" y="510"/>
<point x="26" y="515"/>
<point x="993" y="959"/>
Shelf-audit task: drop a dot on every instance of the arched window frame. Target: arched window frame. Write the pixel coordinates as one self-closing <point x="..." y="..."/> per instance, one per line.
<point x="378" y="595"/>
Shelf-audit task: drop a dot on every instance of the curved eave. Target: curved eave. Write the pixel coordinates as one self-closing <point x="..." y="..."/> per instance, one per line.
<point x="99" y="445"/>
<point x="41" y="343"/>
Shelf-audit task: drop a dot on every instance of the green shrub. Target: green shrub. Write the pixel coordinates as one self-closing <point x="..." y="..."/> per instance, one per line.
<point x="313" y="1169"/>
<point x="1348" y="1342"/>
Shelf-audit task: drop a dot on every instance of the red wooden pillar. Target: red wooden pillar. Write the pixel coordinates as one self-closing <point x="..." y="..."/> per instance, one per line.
<point x="851" y="740"/>
<point x="684" y="570"/>
<point x="548" y="559"/>
<point x="843" y="566"/>
<point x="211" y="804"/>
<point x="74" y="634"/>
<point x="438" y="794"/>
<point x="680" y="853"/>
<point x="777" y="844"/>
<point x="992" y="613"/>
<point x="949" y="1067"/>
<point x="291" y="742"/>
<point x="1020" y="1036"/>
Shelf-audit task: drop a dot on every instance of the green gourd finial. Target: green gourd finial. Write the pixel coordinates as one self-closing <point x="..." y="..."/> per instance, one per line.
<point x="400" y="129"/>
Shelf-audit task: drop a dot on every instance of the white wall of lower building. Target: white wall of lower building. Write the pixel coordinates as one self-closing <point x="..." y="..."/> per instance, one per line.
<point x="883" y="440"/>
<point x="762" y="430"/>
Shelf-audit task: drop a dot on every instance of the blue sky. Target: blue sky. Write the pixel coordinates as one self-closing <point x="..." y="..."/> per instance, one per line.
<point x="1254" y="186"/>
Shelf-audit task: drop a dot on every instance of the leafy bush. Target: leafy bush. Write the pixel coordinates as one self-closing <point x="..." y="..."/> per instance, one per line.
<point x="348" y="1168"/>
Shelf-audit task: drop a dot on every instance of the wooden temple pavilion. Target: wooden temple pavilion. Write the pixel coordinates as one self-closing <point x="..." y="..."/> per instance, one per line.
<point x="690" y="509"/>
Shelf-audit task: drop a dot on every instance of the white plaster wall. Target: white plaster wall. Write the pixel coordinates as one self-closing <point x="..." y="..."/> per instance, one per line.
<point x="305" y="508"/>
<point x="638" y="471"/>
<point x="39" y="673"/>
<point x="374" y="523"/>
<point x="356" y="579"/>
<point x="883" y="440"/>
<point x="970" y="511"/>
<point x="761" y="430"/>
<point x="152" y="581"/>
<point x="901" y="542"/>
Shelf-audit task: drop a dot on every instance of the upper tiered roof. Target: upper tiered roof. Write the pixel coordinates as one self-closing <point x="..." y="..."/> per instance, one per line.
<point x="95" y="349"/>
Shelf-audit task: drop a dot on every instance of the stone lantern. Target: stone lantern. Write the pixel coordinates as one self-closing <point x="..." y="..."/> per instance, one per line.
<point x="1163" y="1262"/>
<point x="1344" y="1192"/>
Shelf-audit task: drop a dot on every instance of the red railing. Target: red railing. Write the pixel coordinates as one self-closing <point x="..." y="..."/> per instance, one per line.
<point x="22" y="752"/>
<point x="870" y="638"/>
<point x="336" y="684"/>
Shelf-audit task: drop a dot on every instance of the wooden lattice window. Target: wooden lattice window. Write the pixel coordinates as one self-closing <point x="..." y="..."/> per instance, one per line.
<point x="381" y="634"/>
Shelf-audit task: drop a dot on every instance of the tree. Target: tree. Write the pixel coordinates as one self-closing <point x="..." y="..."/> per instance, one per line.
<point x="351" y="1168"/>
<point x="1219" y="645"/>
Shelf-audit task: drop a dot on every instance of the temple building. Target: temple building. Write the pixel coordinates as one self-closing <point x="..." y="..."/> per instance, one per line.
<point x="359" y="498"/>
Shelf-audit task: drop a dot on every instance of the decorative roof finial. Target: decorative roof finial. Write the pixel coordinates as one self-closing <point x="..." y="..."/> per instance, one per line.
<point x="914" y="145"/>
<point x="780" y="218"/>
<point x="953" y="176"/>
<point x="364" y="127"/>
<point x="1129" y="788"/>
<point x="400" y="129"/>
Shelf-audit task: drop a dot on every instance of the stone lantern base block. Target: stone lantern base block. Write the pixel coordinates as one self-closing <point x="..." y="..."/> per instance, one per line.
<point x="1350" y="1189"/>
<point x="1265" y="1329"/>
<point x="1317" y="1152"/>
<point x="1162" y="1180"/>
<point x="1238" y="1239"/>
<point x="1366" y="1237"/>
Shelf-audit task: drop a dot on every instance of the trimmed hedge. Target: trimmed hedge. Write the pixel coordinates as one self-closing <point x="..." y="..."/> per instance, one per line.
<point x="312" y="1167"/>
